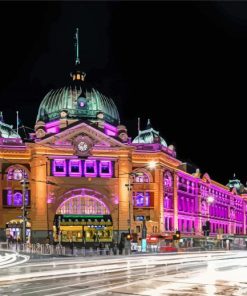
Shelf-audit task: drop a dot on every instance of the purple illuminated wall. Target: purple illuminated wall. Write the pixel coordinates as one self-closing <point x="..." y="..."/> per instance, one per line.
<point x="110" y="130"/>
<point x="82" y="168"/>
<point x="52" y="127"/>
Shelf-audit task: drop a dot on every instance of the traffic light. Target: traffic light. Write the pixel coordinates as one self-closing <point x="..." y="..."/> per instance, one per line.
<point x="177" y="235"/>
<point x="128" y="237"/>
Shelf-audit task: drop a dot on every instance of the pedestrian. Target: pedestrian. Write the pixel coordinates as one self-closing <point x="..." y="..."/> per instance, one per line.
<point x="101" y="248"/>
<point x="121" y="246"/>
<point x="107" y="249"/>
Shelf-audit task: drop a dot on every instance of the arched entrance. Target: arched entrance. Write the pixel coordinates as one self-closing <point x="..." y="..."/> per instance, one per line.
<point x="14" y="230"/>
<point x="83" y="219"/>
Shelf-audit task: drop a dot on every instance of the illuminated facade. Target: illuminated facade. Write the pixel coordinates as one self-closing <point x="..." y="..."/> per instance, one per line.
<point x="79" y="162"/>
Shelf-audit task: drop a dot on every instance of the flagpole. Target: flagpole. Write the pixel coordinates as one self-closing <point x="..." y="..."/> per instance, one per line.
<point x="77" y="61"/>
<point x="138" y="127"/>
<point x="17" y="122"/>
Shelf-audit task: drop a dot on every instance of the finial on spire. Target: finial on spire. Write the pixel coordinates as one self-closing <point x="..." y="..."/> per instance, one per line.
<point x="77" y="75"/>
<point x="1" y="116"/>
<point x="77" y="60"/>
<point x="149" y="123"/>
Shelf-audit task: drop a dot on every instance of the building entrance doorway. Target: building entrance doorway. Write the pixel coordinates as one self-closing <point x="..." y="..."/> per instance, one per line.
<point x="14" y="230"/>
<point x="83" y="219"/>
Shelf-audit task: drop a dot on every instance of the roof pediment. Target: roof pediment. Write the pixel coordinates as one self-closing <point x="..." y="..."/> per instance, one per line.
<point x="97" y="136"/>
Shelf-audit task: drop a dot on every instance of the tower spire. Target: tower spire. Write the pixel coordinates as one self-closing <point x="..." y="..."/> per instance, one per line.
<point x="77" y="75"/>
<point x="77" y="60"/>
<point x="149" y="123"/>
<point x="1" y="116"/>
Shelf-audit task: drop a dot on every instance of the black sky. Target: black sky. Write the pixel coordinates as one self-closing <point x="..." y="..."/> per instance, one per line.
<point x="181" y="64"/>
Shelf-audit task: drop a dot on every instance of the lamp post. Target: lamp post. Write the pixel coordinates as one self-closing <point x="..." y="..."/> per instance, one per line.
<point x="129" y="187"/>
<point x="210" y="200"/>
<point x="24" y="182"/>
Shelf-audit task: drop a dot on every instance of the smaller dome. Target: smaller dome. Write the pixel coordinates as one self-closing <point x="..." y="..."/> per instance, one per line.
<point x="149" y="136"/>
<point x="6" y="131"/>
<point x="235" y="183"/>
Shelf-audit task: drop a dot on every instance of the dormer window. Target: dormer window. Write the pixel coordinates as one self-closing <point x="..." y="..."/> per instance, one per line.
<point x="75" y="167"/>
<point x="105" y="168"/>
<point x="90" y="169"/>
<point x="59" y="167"/>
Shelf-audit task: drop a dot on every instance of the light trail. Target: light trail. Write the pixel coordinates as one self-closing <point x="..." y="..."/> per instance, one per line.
<point x="97" y="276"/>
<point x="11" y="258"/>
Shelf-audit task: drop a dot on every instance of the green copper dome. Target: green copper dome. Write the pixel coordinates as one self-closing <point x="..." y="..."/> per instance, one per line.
<point x="149" y="136"/>
<point x="79" y="103"/>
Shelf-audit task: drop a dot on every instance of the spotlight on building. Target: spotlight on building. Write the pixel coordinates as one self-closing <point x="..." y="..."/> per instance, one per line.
<point x="152" y="165"/>
<point x="210" y="199"/>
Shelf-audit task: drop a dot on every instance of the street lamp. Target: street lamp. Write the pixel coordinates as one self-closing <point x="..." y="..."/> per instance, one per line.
<point x="24" y="182"/>
<point x="210" y="200"/>
<point x="152" y="164"/>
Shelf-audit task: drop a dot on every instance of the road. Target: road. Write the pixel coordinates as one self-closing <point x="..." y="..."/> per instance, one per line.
<point x="214" y="273"/>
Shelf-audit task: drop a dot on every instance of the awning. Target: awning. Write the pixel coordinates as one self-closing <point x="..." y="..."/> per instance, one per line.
<point x="81" y="220"/>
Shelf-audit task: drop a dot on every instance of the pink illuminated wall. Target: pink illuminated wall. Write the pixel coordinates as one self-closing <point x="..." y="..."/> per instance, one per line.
<point x="82" y="168"/>
<point x="110" y="130"/>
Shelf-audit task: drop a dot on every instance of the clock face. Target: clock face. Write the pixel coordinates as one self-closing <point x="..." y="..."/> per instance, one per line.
<point x="63" y="114"/>
<point x="82" y="146"/>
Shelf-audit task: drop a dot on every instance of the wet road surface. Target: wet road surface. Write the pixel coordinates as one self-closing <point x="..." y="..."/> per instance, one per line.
<point x="215" y="273"/>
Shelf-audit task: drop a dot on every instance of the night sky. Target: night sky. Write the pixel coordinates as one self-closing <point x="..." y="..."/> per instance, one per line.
<point x="181" y="64"/>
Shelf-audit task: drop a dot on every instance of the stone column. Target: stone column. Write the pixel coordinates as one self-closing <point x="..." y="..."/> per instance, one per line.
<point x="38" y="199"/>
<point x="159" y="198"/>
<point x="2" y="226"/>
<point x="125" y="195"/>
<point x="198" y="211"/>
<point x="244" y="217"/>
<point x="175" y="201"/>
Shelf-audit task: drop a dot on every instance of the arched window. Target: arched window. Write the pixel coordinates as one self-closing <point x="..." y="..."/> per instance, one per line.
<point x="168" y="179"/>
<point x="166" y="202"/>
<point x="141" y="177"/>
<point x="83" y="205"/>
<point x="16" y="173"/>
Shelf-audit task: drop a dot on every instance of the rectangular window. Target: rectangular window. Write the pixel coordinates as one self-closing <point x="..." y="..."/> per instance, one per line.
<point x="75" y="167"/>
<point x="90" y="169"/>
<point x="139" y="218"/>
<point x="59" y="167"/>
<point x="105" y="168"/>
<point x="14" y="199"/>
<point x="143" y="199"/>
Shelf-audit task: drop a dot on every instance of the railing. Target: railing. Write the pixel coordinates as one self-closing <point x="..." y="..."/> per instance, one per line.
<point x="72" y="250"/>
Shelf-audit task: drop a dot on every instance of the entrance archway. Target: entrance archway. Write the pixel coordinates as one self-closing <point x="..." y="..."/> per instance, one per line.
<point x="14" y="230"/>
<point x="83" y="218"/>
<point x="83" y="205"/>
